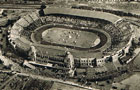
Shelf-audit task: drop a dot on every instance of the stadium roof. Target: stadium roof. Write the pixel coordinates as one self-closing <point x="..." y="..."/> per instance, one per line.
<point x="83" y="13"/>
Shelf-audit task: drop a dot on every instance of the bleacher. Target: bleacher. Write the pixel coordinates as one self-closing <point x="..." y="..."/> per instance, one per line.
<point x="33" y="21"/>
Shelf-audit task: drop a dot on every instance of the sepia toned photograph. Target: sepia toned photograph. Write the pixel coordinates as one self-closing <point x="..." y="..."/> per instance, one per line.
<point x="69" y="44"/>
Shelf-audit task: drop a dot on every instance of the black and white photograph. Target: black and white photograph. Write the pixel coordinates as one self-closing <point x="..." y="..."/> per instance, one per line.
<point x="69" y="44"/>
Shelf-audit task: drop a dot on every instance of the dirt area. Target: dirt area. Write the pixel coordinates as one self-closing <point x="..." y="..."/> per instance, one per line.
<point x="137" y="62"/>
<point x="133" y="82"/>
<point x="60" y="86"/>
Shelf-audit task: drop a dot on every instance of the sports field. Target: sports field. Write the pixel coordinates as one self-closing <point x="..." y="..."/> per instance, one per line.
<point x="71" y="37"/>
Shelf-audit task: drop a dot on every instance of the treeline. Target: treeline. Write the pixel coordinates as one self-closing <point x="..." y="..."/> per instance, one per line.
<point x="20" y="2"/>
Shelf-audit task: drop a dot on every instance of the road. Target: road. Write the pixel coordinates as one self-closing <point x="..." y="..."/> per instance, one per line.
<point x="41" y="78"/>
<point x="55" y="80"/>
<point x="21" y="6"/>
<point x="16" y="67"/>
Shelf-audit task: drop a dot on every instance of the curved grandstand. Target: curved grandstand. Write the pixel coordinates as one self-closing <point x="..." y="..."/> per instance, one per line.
<point x="84" y="13"/>
<point x="90" y="38"/>
<point x="57" y="18"/>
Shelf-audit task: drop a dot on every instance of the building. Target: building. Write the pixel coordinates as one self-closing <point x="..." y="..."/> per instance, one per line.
<point x="3" y="40"/>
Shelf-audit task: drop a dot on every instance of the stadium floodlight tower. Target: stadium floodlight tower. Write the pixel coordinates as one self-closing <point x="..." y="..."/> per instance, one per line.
<point x="70" y="61"/>
<point x="33" y="49"/>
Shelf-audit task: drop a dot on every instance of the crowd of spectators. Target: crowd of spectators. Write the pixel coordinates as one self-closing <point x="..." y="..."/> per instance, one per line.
<point x="118" y="34"/>
<point x="121" y="33"/>
<point x="72" y="20"/>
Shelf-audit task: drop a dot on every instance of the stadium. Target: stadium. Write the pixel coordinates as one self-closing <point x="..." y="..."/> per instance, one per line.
<point x="73" y="39"/>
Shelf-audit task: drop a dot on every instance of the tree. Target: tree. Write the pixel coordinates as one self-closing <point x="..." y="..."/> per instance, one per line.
<point x="43" y="6"/>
